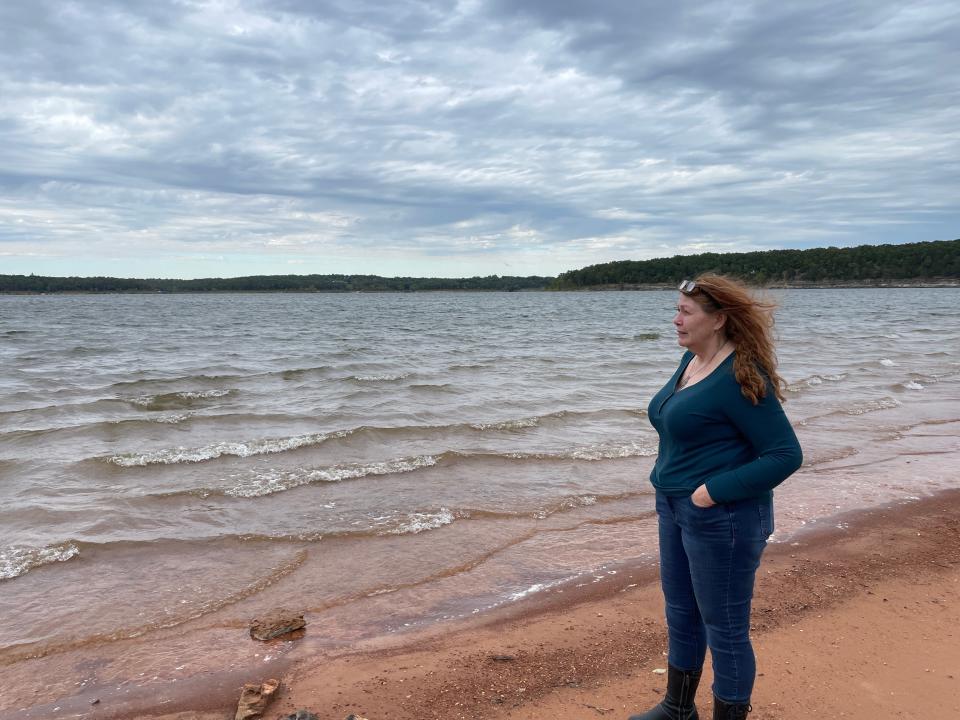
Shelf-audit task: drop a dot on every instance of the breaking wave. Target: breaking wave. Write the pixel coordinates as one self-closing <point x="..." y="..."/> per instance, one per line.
<point x="520" y="424"/>
<point x="873" y="406"/>
<point x="177" y="400"/>
<point x="593" y="452"/>
<point x="378" y="378"/>
<point x="268" y="446"/>
<point x="172" y="456"/>
<point x="267" y="482"/>
<point x="418" y="522"/>
<point x="16" y="561"/>
<point x="813" y="381"/>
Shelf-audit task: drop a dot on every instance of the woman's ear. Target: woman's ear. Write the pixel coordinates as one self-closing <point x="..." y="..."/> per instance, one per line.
<point x="719" y="320"/>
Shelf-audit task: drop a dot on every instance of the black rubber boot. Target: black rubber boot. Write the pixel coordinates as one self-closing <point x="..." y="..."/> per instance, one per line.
<point x="678" y="702"/>
<point x="730" y="711"/>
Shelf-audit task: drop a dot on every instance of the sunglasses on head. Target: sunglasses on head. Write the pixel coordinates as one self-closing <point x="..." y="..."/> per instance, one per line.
<point x="688" y="287"/>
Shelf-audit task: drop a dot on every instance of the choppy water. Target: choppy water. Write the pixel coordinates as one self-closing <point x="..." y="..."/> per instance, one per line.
<point x="388" y="460"/>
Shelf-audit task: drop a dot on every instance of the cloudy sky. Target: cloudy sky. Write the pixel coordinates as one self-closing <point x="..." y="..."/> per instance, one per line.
<point x="473" y="137"/>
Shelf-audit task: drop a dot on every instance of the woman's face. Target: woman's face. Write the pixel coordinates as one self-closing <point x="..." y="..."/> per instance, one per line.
<point x="696" y="328"/>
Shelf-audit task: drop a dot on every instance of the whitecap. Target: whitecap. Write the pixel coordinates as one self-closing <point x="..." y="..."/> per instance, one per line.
<point x="151" y="401"/>
<point x="174" y="456"/>
<point x="535" y="588"/>
<point x="267" y="482"/>
<point x="16" y="560"/>
<point x="173" y="419"/>
<point x="579" y="501"/>
<point x="508" y="424"/>
<point x="599" y="451"/>
<point x="813" y="381"/>
<point x="887" y="362"/>
<point x="202" y="394"/>
<point x="882" y="404"/>
<point x="913" y="385"/>
<point x="539" y="588"/>
<point x="609" y="451"/>
<point x="419" y="521"/>
<point x="378" y="378"/>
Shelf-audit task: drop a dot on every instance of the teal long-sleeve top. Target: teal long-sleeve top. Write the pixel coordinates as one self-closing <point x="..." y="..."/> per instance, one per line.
<point x="711" y="434"/>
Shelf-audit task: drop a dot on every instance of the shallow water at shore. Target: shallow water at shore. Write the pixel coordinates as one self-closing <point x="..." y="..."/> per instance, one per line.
<point x="176" y="464"/>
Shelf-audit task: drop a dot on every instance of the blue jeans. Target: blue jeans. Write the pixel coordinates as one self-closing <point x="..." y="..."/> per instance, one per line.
<point x="708" y="561"/>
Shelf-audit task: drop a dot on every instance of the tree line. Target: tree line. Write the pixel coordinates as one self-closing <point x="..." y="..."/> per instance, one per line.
<point x="864" y="264"/>
<point x="266" y="283"/>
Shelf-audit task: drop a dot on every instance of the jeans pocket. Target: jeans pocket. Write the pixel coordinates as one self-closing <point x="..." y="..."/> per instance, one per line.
<point x="765" y="509"/>
<point x="696" y="508"/>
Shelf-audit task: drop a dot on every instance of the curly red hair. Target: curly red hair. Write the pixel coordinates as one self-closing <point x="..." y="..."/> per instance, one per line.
<point x="749" y="326"/>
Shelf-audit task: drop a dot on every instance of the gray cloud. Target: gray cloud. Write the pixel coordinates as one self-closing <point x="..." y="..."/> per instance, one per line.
<point x="452" y="138"/>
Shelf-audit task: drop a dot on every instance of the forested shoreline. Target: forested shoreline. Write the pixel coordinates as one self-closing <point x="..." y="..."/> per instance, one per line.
<point x="267" y="283"/>
<point x="936" y="262"/>
<point x="923" y="263"/>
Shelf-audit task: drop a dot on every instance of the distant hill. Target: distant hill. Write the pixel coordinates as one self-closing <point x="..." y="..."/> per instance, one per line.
<point x="861" y="265"/>
<point x="266" y="283"/>
<point x="924" y="262"/>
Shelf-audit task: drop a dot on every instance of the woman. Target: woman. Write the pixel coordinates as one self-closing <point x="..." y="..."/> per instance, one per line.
<point x="725" y="443"/>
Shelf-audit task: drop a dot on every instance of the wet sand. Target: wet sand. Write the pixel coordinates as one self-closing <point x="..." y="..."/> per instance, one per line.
<point x="857" y="621"/>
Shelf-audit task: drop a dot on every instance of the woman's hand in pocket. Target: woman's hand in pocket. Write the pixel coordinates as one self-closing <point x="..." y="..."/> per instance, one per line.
<point x="701" y="498"/>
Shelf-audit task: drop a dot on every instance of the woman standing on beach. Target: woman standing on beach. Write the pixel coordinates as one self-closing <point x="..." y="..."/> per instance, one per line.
<point x="725" y="443"/>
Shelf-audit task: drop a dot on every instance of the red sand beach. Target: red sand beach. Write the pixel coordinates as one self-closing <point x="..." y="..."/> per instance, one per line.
<point x="857" y="622"/>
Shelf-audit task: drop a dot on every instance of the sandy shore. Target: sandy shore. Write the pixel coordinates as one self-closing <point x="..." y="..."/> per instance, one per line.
<point x="856" y="621"/>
